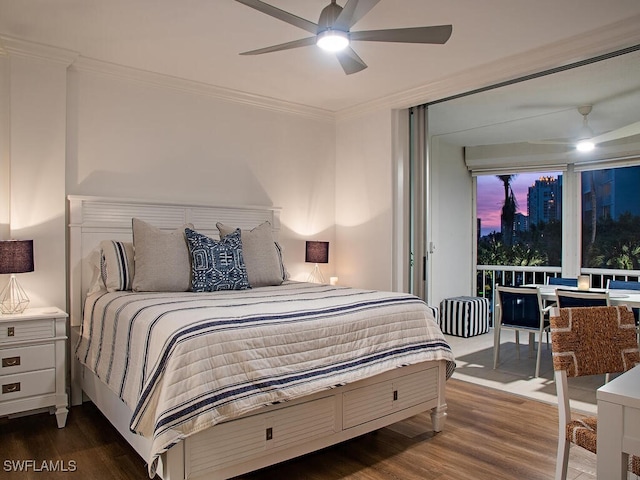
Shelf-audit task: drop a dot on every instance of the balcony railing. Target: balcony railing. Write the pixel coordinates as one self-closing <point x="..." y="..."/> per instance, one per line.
<point x="599" y="277"/>
<point x="510" y="275"/>
<point x="513" y="276"/>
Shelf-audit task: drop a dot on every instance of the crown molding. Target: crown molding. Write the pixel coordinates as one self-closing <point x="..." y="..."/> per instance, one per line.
<point x="603" y="40"/>
<point x="13" y="46"/>
<point x="600" y="41"/>
<point x="91" y="65"/>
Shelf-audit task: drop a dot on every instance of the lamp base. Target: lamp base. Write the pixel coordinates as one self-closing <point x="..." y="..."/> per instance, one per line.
<point x="13" y="299"/>
<point x="316" y="275"/>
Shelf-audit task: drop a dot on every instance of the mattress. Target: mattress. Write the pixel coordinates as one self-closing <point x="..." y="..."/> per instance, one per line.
<point x="186" y="361"/>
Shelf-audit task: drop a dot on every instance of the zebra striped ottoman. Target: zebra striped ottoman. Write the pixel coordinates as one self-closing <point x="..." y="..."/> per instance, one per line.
<point x="464" y="316"/>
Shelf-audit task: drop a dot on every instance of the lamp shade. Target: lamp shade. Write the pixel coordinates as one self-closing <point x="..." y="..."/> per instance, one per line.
<point x="584" y="282"/>
<point x="317" y="252"/>
<point x="16" y="256"/>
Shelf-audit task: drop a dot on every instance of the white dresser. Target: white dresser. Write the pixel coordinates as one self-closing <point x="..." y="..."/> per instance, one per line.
<point x="618" y="424"/>
<point x="33" y="362"/>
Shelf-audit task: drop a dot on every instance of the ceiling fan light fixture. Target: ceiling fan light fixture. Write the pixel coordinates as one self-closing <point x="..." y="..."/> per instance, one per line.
<point x="585" y="132"/>
<point x="333" y="31"/>
<point x="585" y="145"/>
<point x="332" y="40"/>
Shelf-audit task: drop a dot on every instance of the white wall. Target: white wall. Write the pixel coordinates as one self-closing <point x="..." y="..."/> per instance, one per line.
<point x="5" y="153"/>
<point x="365" y="205"/>
<point x="451" y="223"/>
<point x="67" y="131"/>
<point x="131" y="139"/>
<point x="33" y="157"/>
<point x="128" y="138"/>
<point x="364" y="195"/>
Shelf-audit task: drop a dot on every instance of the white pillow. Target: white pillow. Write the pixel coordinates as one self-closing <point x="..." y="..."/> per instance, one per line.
<point x="96" y="284"/>
<point x="262" y="256"/>
<point x="116" y="265"/>
<point x="161" y="260"/>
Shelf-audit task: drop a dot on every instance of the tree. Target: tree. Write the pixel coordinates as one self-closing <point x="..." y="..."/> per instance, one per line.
<point x="594" y="206"/>
<point x="491" y="251"/>
<point x="617" y="244"/>
<point x="547" y="237"/>
<point x="508" y="209"/>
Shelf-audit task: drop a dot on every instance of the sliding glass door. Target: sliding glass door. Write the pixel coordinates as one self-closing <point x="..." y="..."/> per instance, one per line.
<point x="418" y="195"/>
<point x="526" y="128"/>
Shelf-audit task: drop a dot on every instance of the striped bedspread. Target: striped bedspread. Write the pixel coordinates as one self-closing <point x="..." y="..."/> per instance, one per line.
<point x="186" y="361"/>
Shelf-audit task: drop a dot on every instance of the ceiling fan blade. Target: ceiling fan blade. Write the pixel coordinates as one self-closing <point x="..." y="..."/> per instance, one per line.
<point x="281" y="15"/>
<point x="350" y="61"/>
<point x="303" y="42"/>
<point x="435" y="34"/>
<point x="353" y="11"/>
<point x="549" y="142"/>
<point x="622" y="132"/>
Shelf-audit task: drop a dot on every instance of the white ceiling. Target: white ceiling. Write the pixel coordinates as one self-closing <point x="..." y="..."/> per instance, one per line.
<point x="545" y="108"/>
<point x="200" y="40"/>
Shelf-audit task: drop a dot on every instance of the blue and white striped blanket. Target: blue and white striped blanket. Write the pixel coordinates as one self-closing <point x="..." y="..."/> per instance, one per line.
<point x="186" y="361"/>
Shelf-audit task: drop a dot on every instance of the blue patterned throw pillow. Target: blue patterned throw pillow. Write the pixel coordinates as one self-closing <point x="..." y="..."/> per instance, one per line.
<point x="216" y="264"/>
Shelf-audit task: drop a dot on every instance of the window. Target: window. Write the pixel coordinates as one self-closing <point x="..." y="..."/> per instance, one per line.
<point x="519" y="219"/>
<point x="513" y="129"/>
<point x="611" y="218"/>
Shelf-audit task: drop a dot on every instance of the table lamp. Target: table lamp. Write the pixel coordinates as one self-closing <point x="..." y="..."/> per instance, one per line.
<point x="316" y="252"/>
<point x="584" y="282"/>
<point x="16" y="256"/>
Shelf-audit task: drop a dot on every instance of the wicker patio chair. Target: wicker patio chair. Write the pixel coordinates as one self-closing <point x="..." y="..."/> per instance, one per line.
<point x="588" y="341"/>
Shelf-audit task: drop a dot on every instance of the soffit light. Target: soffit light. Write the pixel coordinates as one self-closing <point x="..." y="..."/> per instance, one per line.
<point x="333" y="40"/>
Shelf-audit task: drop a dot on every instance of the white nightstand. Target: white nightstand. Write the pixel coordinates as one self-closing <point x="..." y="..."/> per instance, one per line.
<point x="33" y="362"/>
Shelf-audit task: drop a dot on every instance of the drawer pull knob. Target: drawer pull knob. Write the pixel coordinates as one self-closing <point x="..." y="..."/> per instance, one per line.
<point x="11" y="362"/>
<point x="11" y="331"/>
<point x="11" y="387"/>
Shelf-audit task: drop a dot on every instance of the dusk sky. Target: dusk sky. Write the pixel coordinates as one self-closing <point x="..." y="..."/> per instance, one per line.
<point x="491" y="197"/>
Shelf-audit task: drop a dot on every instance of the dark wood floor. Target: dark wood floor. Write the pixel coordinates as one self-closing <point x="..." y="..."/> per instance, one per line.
<point x="488" y="435"/>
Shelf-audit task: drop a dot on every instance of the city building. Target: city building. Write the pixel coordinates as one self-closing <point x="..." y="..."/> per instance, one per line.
<point x="617" y="191"/>
<point x="544" y="203"/>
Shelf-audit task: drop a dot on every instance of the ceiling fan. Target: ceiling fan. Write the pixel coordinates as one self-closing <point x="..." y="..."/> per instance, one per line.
<point x="332" y="32"/>
<point x="586" y="140"/>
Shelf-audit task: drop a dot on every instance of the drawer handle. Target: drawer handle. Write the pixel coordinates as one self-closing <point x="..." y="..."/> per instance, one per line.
<point x="11" y="387"/>
<point x="11" y="331"/>
<point x="395" y="395"/>
<point x="11" y="362"/>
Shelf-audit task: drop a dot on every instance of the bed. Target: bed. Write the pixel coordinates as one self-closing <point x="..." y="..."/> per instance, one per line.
<point x="213" y="384"/>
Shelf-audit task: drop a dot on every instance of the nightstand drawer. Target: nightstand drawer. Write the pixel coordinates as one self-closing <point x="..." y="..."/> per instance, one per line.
<point x="24" y="330"/>
<point x="26" y="359"/>
<point x="27" y="384"/>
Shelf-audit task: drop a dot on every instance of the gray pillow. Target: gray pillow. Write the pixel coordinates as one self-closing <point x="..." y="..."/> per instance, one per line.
<point x="261" y="255"/>
<point x="161" y="259"/>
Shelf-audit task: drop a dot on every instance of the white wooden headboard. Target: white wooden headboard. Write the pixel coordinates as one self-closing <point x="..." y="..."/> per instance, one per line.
<point x="93" y="219"/>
